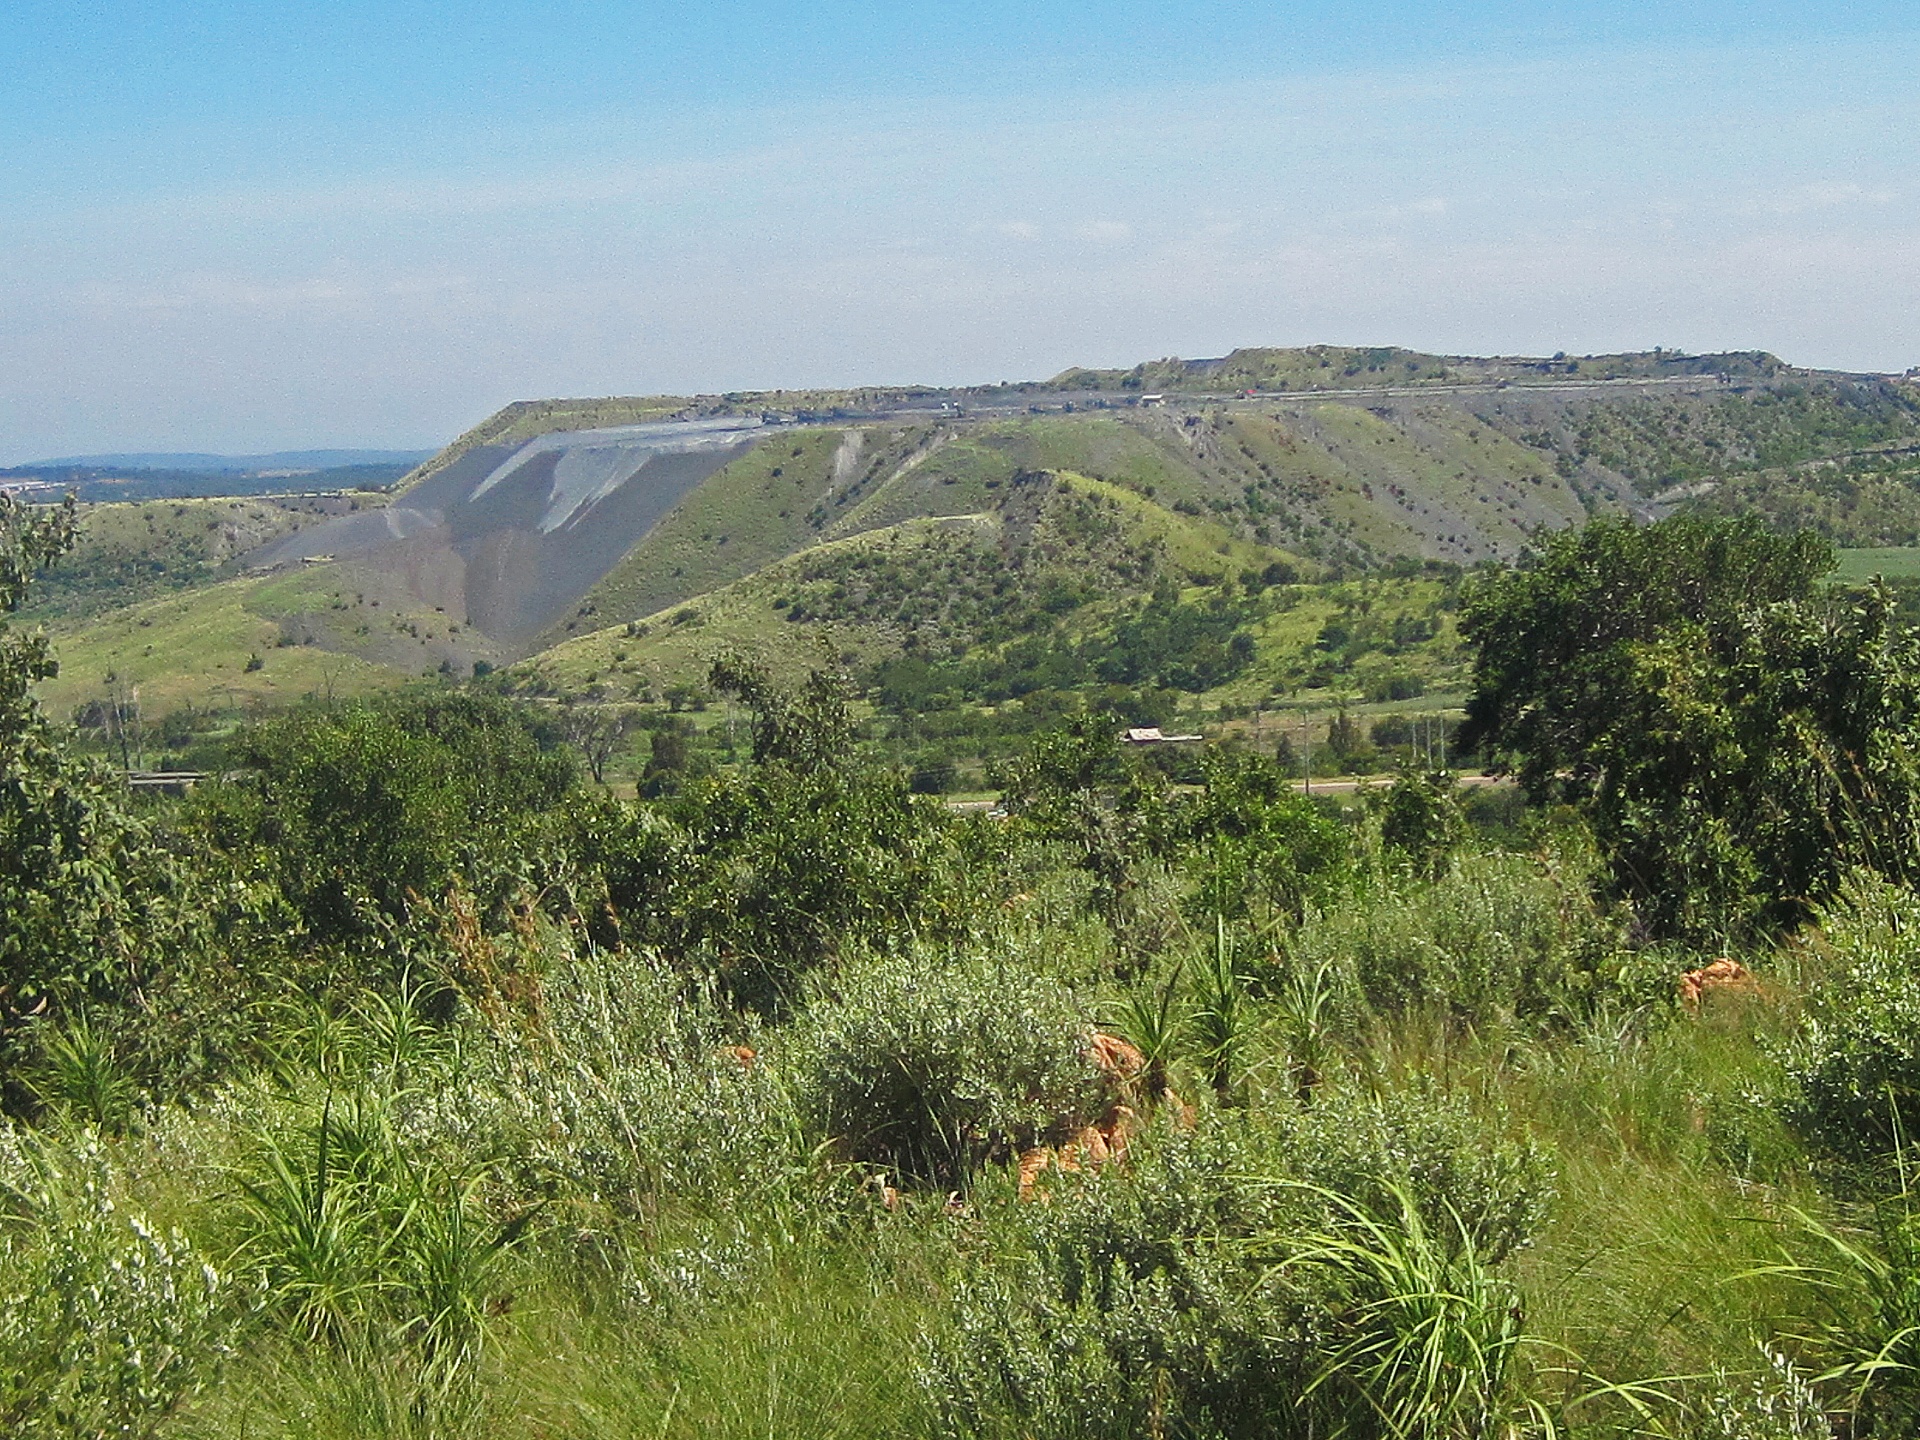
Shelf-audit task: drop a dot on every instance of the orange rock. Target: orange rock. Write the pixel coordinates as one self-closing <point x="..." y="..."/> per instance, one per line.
<point x="1116" y="1128"/>
<point x="1722" y="974"/>
<point x="1116" y="1058"/>
<point x="1033" y="1164"/>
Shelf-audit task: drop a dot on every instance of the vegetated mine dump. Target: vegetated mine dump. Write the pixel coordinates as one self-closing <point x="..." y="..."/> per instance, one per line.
<point x="1350" y="456"/>
<point x="556" y="521"/>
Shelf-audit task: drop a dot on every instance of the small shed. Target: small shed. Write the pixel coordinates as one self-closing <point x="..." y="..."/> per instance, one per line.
<point x="1151" y="735"/>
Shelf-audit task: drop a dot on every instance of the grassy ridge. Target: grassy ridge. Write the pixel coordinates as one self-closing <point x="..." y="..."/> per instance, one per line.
<point x="128" y="552"/>
<point x="1342" y="367"/>
<point x="196" y="651"/>
<point x="752" y="513"/>
<point x="1339" y="485"/>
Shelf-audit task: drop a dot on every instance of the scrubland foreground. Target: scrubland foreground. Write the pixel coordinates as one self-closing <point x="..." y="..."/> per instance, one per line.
<point x="402" y="1084"/>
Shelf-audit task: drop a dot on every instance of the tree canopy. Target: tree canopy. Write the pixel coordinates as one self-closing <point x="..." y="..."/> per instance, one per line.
<point x="1740" y="733"/>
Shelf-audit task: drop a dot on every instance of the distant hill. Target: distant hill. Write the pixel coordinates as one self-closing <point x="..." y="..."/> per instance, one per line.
<point x="232" y="464"/>
<point x="557" y="520"/>
<point x="109" y="478"/>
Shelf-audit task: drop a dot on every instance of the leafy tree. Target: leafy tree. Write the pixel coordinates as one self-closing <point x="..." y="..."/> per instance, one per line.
<point x="758" y="876"/>
<point x="1739" y="735"/>
<point x="1075" y="785"/>
<point x="808" y="728"/>
<point x="367" y="809"/>
<point x="1344" y="741"/>
<point x="597" y="732"/>
<point x="1421" y="821"/>
<point x="668" y="758"/>
<point x="1254" y="839"/>
<point x="99" y="907"/>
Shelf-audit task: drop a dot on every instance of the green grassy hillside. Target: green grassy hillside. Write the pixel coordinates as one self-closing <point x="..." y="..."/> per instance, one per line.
<point x="199" y="651"/>
<point x="258" y="641"/>
<point x="966" y="632"/>
<point x="761" y="508"/>
<point x="1390" y="458"/>
<point x="1352" y="482"/>
<point x="1870" y="498"/>
<point x="129" y="552"/>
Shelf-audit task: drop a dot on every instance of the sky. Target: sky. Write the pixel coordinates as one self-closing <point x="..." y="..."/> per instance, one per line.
<point x="269" y="224"/>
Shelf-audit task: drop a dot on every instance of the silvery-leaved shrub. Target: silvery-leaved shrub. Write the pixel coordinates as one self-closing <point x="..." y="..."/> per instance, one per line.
<point x="1126" y="1303"/>
<point x="633" y="1091"/>
<point x="1426" y="1144"/>
<point x="106" y="1327"/>
<point x="1777" y="1403"/>
<point x="923" y="1063"/>
<point x="1854" y="1067"/>
<point x="1494" y="935"/>
<point x="1228" y="1280"/>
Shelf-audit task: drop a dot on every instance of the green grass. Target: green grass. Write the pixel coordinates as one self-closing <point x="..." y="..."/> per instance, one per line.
<point x="134" y="551"/>
<point x="792" y="1301"/>
<point x="678" y="644"/>
<point x="749" y="515"/>
<point x="1895" y="562"/>
<point x="195" y="650"/>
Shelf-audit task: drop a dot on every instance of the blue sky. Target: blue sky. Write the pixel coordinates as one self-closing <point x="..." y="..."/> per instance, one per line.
<point x="256" y="226"/>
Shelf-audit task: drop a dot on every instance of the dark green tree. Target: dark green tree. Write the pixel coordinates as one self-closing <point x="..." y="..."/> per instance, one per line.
<point x="1739" y="734"/>
<point x="368" y="809"/>
<point x="1421" y="822"/>
<point x="1254" y="841"/>
<point x="101" y="909"/>
<point x="808" y="728"/>
<point x="1075" y="785"/>
<point x="757" y="876"/>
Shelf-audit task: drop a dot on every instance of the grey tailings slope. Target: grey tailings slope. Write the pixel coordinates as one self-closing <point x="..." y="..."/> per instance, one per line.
<point x="509" y="537"/>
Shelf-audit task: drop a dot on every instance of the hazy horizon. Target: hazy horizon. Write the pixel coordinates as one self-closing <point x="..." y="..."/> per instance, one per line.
<point x="236" y="231"/>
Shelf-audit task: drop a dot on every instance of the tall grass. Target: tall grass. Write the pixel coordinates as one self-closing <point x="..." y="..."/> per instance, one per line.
<point x="1429" y="1335"/>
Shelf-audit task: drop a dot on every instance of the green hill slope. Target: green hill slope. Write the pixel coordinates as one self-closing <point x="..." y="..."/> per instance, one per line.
<point x="128" y="552"/>
<point x="1347" y="462"/>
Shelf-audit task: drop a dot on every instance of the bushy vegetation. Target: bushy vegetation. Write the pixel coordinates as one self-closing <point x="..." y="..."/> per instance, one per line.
<point x="401" y="1081"/>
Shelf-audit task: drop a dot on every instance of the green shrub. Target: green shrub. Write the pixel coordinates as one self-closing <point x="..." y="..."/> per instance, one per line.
<point x="1253" y="843"/>
<point x="625" y="1093"/>
<point x="922" y="1063"/>
<point x="1421" y="822"/>
<point x="366" y="811"/>
<point x="1125" y="1306"/>
<point x="1424" y="1144"/>
<point x="1854" y="1068"/>
<point x="1497" y="935"/>
<point x="1221" y="1284"/>
<point x="1775" y="1403"/>
<point x="1740" y="733"/>
<point x="758" y="877"/>
<point x="106" y="1328"/>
